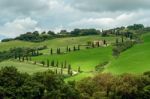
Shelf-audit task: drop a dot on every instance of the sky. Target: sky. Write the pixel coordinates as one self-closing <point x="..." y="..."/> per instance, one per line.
<point x="21" y="16"/>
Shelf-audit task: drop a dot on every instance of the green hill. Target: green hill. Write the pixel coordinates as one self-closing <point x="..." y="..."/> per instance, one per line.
<point x="135" y="60"/>
<point x="54" y="43"/>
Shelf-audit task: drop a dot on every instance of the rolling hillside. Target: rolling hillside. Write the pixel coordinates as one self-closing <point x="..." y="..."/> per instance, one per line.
<point x="135" y="60"/>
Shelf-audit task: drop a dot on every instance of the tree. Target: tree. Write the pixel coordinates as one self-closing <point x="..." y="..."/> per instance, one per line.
<point x="117" y="41"/>
<point x="104" y="42"/>
<point x="74" y="48"/>
<point x="67" y="49"/>
<point x="48" y="63"/>
<point x="78" y="47"/>
<point x="57" y="64"/>
<point x="69" y="69"/>
<point x="65" y="64"/>
<point x="122" y="39"/>
<point x="79" y="69"/>
<point x="52" y="63"/>
<point x="61" y="71"/>
<point x="51" y="51"/>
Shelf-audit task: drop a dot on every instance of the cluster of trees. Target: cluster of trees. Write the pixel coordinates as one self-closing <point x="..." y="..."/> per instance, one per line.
<point x="45" y="85"/>
<point x="135" y="27"/>
<point x="122" y="46"/>
<point x="39" y="37"/>
<point x="107" y="86"/>
<point x="125" y="31"/>
<point x="49" y="85"/>
<point x="59" y="65"/>
<point x="68" y="49"/>
<point x="33" y="36"/>
<point x="21" y="53"/>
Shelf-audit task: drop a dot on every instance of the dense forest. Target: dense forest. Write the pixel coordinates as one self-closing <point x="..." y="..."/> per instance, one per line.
<point x="49" y="85"/>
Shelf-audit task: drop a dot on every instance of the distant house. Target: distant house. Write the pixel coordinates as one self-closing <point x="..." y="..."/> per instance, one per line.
<point x="98" y="42"/>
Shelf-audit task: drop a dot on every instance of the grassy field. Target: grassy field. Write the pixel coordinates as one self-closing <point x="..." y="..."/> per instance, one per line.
<point x="134" y="60"/>
<point x="23" y="67"/>
<point x="87" y="59"/>
<point x="55" y="43"/>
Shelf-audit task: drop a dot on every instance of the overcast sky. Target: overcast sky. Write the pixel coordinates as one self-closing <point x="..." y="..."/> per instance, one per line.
<point x="20" y="16"/>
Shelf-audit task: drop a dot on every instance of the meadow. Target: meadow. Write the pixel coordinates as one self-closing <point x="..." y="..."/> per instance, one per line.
<point x="135" y="60"/>
<point x="130" y="61"/>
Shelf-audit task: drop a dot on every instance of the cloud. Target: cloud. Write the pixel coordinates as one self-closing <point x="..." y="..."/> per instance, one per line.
<point x="123" y="19"/>
<point x="110" y="5"/>
<point x="20" y="16"/>
<point x="23" y="6"/>
<point x="19" y="26"/>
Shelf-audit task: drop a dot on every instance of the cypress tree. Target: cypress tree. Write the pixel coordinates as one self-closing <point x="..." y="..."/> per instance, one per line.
<point x="47" y="63"/>
<point x="122" y="39"/>
<point x="98" y="44"/>
<point x="69" y="69"/>
<point x="79" y="69"/>
<point x="57" y="64"/>
<point x="117" y="41"/>
<point x="93" y="45"/>
<point x="74" y="48"/>
<point x="62" y="65"/>
<point x="61" y="71"/>
<point x="52" y="63"/>
<point x="37" y="52"/>
<point x="104" y="42"/>
<point x="56" y="71"/>
<point x="51" y="51"/>
<point x="23" y="58"/>
<point x="78" y="47"/>
<point x="65" y="64"/>
<point x="67" y="49"/>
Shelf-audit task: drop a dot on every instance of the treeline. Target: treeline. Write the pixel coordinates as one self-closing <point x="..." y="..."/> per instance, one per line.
<point x="128" y="31"/>
<point x="21" y="53"/>
<point x="122" y="46"/>
<point x="39" y="37"/>
<point x="45" y="85"/>
<point x="49" y="85"/>
<point x="107" y="86"/>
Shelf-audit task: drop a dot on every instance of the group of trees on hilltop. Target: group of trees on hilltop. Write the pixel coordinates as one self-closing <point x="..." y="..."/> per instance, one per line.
<point x="49" y="85"/>
<point x="38" y="37"/>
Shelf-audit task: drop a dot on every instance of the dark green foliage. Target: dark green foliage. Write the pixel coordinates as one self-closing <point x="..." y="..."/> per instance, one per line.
<point x="45" y="85"/>
<point x="16" y="85"/>
<point x="101" y="66"/>
<point x="69" y="70"/>
<point x="74" y="48"/>
<point x="43" y="63"/>
<point x="79" y="69"/>
<point x="120" y="47"/>
<point x="48" y="64"/>
<point x="107" y="86"/>
<point x="51" y="51"/>
<point x="57" y="64"/>
<point x="136" y="27"/>
<point x="34" y="37"/>
<point x="52" y="63"/>
<point x="77" y="32"/>
<point x="104" y="42"/>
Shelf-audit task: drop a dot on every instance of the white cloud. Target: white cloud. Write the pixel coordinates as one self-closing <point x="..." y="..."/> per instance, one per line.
<point x="123" y="19"/>
<point x="20" y="16"/>
<point x="18" y="26"/>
